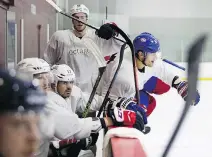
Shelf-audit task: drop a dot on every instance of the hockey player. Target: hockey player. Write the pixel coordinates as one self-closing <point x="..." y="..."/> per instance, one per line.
<point x="79" y="47"/>
<point x="21" y="104"/>
<point x="67" y="125"/>
<point x="153" y="75"/>
<point x="63" y="84"/>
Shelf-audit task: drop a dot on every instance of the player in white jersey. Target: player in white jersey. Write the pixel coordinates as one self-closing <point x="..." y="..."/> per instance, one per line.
<point x="153" y="75"/>
<point x="67" y="125"/>
<point x="63" y="84"/>
<point x="79" y="47"/>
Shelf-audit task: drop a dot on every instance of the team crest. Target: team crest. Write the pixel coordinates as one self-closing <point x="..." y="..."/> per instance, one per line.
<point x="143" y="40"/>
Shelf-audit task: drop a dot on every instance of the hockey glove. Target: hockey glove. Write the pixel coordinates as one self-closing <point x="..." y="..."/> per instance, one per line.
<point x="121" y="117"/>
<point x="182" y="89"/>
<point x="129" y="104"/>
<point x="106" y="31"/>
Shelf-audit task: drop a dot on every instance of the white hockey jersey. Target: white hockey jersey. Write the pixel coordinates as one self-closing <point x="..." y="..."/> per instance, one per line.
<point x="80" y="54"/>
<point x="67" y="125"/>
<point x="78" y="100"/>
<point x="124" y="85"/>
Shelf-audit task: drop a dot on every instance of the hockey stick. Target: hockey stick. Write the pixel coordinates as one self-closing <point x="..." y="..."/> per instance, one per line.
<point x="194" y="55"/>
<point x="101" y="72"/>
<point x="74" y="18"/>
<point x="173" y="64"/>
<point x="112" y="81"/>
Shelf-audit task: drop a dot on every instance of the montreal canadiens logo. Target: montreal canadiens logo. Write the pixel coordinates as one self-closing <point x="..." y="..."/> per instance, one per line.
<point x="143" y="40"/>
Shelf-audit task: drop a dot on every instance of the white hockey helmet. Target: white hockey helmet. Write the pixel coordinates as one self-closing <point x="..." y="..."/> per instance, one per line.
<point x="32" y="66"/>
<point x="62" y="72"/>
<point x="79" y="8"/>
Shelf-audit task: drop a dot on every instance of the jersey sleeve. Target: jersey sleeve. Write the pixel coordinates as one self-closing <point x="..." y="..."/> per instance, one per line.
<point x="68" y="125"/>
<point x="82" y="99"/>
<point x="54" y="49"/>
<point x="163" y="72"/>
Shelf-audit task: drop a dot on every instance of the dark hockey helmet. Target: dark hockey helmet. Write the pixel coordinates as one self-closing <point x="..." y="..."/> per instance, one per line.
<point x="19" y="96"/>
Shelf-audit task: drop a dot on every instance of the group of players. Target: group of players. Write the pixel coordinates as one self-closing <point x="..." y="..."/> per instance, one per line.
<point x="61" y="86"/>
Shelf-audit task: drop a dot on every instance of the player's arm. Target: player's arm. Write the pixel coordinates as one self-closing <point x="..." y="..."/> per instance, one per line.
<point x="70" y="126"/>
<point x="173" y="80"/>
<point x="54" y="49"/>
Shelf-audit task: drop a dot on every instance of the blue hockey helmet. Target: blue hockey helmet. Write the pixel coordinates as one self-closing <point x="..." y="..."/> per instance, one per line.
<point x="146" y="43"/>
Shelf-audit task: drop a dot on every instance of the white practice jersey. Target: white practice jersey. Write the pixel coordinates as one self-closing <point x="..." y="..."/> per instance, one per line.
<point x="124" y="85"/>
<point x="78" y="100"/>
<point x="65" y="48"/>
<point x="67" y="125"/>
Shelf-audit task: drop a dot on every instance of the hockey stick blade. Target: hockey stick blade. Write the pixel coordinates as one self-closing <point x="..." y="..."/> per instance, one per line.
<point x="194" y="55"/>
<point x="113" y="79"/>
<point x="72" y="17"/>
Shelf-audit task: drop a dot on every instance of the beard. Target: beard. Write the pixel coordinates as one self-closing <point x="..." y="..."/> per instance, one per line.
<point x="79" y="27"/>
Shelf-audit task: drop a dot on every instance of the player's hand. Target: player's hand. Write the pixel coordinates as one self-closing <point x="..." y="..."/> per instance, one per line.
<point x="123" y="117"/>
<point x="182" y="89"/>
<point x="130" y="104"/>
<point x="106" y="31"/>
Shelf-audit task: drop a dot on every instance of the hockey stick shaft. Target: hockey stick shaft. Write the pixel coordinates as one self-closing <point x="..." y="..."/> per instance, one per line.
<point x="194" y="56"/>
<point x="112" y="81"/>
<point x="74" y="18"/>
<point x="87" y="108"/>
<point x="173" y="64"/>
<point x="101" y="72"/>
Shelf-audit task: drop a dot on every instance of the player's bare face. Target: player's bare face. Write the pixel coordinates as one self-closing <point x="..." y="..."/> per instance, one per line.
<point x="19" y="135"/>
<point x="43" y="79"/>
<point x="78" y="26"/>
<point x="150" y="59"/>
<point x="64" y="88"/>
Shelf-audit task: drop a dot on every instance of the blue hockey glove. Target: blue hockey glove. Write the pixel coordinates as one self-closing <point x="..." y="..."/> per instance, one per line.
<point x="182" y="89"/>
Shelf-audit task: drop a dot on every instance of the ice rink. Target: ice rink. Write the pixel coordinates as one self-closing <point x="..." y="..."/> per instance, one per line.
<point x="195" y="137"/>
